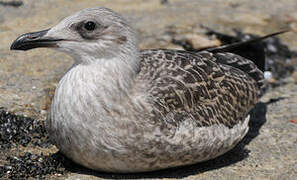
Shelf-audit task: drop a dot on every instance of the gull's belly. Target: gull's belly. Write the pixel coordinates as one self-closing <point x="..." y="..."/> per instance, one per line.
<point x="107" y="144"/>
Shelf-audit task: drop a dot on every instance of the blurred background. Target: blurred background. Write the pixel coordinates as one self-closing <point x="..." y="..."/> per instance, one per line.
<point x="28" y="79"/>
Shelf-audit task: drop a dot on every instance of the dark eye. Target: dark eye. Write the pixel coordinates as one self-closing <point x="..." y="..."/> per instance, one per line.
<point x="90" y="25"/>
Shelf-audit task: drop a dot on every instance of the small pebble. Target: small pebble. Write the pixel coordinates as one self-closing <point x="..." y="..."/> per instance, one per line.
<point x="268" y="75"/>
<point x="43" y="112"/>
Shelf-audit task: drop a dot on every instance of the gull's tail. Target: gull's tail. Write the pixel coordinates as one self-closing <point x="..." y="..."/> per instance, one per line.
<point x="252" y="49"/>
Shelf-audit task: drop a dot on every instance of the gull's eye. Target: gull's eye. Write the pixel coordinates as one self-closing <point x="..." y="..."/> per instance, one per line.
<point x="90" y="25"/>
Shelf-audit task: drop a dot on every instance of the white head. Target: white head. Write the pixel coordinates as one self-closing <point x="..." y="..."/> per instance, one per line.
<point x="88" y="35"/>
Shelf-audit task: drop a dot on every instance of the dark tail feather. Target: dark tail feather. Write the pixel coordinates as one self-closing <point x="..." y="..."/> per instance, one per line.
<point x="243" y="64"/>
<point x="230" y="47"/>
<point x="251" y="49"/>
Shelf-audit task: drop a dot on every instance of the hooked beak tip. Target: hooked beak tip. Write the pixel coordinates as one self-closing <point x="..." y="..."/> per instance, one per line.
<point x="16" y="44"/>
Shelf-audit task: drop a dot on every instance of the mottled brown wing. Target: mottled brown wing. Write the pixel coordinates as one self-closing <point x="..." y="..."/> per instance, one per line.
<point x="183" y="85"/>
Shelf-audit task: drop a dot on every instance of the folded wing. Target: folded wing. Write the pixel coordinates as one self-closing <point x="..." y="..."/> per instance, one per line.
<point x="205" y="88"/>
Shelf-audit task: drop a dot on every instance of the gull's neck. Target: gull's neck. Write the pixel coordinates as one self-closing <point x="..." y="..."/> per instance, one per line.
<point x="108" y="77"/>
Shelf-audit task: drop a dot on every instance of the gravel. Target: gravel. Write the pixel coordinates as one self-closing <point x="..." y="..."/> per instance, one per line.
<point x="19" y="130"/>
<point x="32" y="165"/>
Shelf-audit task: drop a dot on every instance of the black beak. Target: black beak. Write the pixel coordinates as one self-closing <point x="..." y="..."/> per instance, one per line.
<point x="34" y="40"/>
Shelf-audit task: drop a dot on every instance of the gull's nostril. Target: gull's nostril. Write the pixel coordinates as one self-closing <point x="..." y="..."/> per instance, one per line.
<point x="36" y="35"/>
<point x="33" y="36"/>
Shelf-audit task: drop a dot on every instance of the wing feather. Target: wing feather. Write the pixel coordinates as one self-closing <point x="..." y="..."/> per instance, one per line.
<point x="203" y="87"/>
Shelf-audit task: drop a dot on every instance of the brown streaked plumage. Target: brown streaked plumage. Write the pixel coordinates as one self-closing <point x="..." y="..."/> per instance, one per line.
<point x="209" y="88"/>
<point x="119" y="109"/>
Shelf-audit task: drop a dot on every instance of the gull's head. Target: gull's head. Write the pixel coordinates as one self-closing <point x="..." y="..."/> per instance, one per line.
<point x="90" y="34"/>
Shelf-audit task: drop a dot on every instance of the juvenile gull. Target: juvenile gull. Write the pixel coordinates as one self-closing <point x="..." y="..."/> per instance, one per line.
<point x="119" y="109"/>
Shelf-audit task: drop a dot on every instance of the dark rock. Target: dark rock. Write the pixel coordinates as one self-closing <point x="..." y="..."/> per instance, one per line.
<point x="164" y="2"/>
<point x="11" y="3"/>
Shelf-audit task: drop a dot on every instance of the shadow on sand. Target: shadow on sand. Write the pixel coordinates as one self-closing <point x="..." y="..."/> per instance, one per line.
<point x="238" y="153"/>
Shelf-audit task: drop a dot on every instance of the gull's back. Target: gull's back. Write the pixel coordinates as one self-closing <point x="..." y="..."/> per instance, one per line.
<point x="209" y="88"/>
